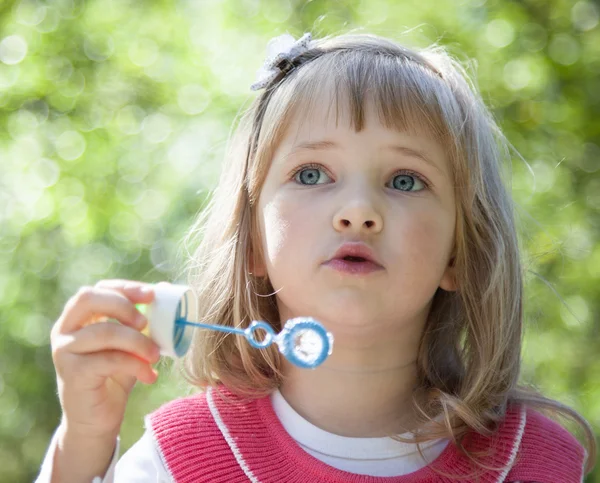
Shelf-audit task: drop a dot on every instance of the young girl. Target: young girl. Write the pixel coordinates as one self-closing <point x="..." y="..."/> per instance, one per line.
<point x="364" y="189"/>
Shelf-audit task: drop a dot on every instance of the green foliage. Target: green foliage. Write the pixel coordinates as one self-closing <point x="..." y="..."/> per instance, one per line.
<point x="114" y="116"/>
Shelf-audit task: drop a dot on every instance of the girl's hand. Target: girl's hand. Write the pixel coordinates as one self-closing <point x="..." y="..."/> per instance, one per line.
<point x="97" y="362"/>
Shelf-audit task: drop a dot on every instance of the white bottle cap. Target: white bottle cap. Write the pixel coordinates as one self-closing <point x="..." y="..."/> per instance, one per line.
<point x="171" y="302"/>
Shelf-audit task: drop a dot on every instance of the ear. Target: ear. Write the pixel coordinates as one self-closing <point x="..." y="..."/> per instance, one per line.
<point x="448" y="282"/>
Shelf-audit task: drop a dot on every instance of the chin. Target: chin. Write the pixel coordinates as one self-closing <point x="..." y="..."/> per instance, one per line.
<point x="350" y="314"/>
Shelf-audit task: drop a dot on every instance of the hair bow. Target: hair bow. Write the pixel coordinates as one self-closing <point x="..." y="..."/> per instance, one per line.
<point x="279" y="49"/>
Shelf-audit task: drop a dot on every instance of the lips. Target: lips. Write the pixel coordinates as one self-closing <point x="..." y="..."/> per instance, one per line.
<point x="354" y="259"/>
<point x="356" y="253"/>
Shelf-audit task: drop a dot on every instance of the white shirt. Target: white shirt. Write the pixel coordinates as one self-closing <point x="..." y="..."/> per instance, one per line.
<point x="366" y="456"/>
<point x="363" y="456"/>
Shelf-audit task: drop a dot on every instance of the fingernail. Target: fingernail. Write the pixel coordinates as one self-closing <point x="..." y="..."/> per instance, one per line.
<point x="146" y="290"/>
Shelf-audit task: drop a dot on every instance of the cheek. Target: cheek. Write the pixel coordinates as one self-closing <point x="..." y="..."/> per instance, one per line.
<point x="285" y="225"/>
<point x="275" y="231"/>
<point x="282" y="223"/>
<point x="425" y="236"/>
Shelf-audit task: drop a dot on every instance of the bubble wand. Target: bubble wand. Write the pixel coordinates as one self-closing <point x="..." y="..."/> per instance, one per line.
<point x="173" y="313"/>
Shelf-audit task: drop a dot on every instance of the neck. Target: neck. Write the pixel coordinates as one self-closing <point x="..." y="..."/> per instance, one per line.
<point x="360" y="391"/>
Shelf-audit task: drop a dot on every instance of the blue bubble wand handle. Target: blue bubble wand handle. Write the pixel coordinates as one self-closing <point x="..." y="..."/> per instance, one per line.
<point x="303" y="340"/>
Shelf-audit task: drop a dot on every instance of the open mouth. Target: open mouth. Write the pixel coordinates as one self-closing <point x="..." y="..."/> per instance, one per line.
<point x="354" y="259"/>
<point x="354" y="265"/>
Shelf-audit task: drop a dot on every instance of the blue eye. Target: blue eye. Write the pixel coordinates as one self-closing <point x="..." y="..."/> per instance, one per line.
<point x="406" y="181"/>
<point x="309" y="175"/>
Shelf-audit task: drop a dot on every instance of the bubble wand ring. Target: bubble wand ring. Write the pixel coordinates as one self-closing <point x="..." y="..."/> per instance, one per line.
<point x="303" y="340"/>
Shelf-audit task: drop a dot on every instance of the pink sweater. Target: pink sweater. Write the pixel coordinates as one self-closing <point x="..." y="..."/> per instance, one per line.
<point x="218" y="437"/>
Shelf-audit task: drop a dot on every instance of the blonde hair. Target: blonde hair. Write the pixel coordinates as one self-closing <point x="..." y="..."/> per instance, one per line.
<point x="470" y="352"/>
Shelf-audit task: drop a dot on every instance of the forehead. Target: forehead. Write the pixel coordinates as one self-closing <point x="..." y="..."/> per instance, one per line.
<point x="335" y="114"/>
<point x="330" y="122"/>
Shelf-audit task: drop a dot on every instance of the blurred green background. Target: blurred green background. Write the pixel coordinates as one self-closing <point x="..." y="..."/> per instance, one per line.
<point x="113" y="121"/>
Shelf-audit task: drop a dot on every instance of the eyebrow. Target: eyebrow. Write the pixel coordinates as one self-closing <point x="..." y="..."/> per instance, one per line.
<point x="329" y="145"/>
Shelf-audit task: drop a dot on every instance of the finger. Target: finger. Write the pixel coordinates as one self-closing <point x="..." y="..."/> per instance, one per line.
<point x="108" y="336"/>
<point x="91" y="303"/>
<point x="137" y="292"/>
<point x="101" y="365"/>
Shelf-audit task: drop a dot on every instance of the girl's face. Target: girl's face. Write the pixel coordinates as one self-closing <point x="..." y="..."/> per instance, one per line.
<point x="365" y="188"/>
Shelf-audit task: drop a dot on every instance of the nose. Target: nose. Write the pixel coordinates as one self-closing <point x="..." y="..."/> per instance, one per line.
<point x="359" y="216"/>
